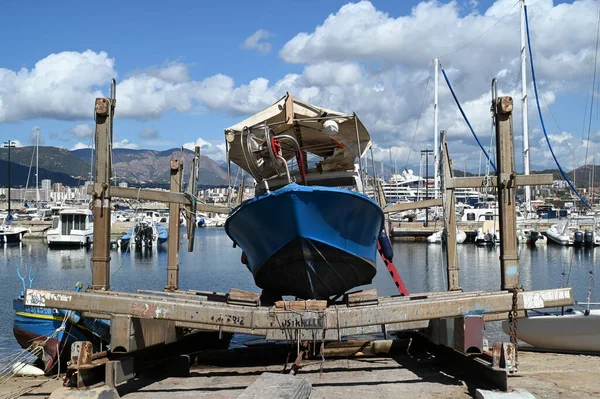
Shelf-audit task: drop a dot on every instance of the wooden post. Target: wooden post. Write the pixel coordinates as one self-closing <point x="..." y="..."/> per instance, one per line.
<point x="190" y="214"/>
<point x="449" y="217"/>
<point x="104" y="110"/>
<point x="173" y="251"/>
<point x="509" y="258"/>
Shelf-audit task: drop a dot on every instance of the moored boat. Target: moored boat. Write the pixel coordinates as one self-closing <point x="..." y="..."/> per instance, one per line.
<point x="74" y="227"/>
<point x="303" y="235"/>
<point x="571" y="330"/>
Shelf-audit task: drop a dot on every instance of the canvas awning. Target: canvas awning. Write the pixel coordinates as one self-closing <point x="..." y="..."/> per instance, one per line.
<point x="304" y="122"/>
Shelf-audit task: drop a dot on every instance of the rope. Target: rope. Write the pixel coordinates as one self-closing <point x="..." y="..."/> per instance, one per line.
<point x="466" y="119"/>
<point x="537" y="101"/>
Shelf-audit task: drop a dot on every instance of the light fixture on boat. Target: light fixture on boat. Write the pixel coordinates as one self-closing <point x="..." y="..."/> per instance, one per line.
<point x="229" y="136"/>
<point x="331" y="127"/>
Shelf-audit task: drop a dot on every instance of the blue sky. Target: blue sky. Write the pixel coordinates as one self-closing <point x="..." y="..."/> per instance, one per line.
<point x="186" y="74"/>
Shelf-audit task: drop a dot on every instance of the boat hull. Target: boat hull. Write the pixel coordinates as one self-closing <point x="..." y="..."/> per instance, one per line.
<point x="13" y="235"/>
<point x="309" y="242"/>
<point x="33" y="325"/>
<point x="73" y="240"/>
<point x="573" y="331"/>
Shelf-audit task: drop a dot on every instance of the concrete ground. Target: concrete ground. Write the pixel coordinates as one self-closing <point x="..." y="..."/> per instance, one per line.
<point x="417" y="376"/>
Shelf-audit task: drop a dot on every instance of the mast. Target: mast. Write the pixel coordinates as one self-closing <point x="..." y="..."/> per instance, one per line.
<point x="524" y="105"/>
<point x="436" y="149"/>
<point x="37" y="157"/>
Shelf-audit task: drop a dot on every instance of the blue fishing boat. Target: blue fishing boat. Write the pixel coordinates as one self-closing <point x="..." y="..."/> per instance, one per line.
<point x="309" y="232"/>
<point x="55" y="330"/>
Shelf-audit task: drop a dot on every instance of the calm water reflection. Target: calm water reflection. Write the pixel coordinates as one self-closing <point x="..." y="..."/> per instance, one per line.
<point x="215" y="265"/>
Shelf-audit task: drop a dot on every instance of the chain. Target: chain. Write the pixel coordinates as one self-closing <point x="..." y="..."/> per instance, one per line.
<point x="513" y="322"/>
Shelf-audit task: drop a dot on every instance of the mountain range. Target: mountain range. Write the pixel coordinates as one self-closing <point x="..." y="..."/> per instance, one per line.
<point x="136" y="167"/>
<point x="142" y="168"/>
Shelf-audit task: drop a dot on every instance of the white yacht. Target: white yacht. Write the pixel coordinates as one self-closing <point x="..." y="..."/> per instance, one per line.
<point x="73" y="227"/>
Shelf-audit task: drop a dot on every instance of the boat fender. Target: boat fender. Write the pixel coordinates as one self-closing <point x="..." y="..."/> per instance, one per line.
<point x="244" y="259"/>
<point x="386" y="246"/>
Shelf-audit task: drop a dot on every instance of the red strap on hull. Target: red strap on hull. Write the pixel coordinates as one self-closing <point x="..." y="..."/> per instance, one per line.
<point x="393" y="272"/>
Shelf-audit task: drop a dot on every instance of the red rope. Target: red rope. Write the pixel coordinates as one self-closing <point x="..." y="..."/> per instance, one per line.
<point x="393" y="272"/>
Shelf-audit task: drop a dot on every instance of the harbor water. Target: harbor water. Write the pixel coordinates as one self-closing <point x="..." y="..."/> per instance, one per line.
<point x="215" y="266"/>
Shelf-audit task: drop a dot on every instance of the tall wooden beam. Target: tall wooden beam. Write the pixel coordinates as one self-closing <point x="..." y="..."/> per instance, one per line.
<point x="173" y="251"/>
<point x="509" y="258"/>
<point x="449" y="217"/>
<point x="104" y="109"/>
<point x="193" y="188"/>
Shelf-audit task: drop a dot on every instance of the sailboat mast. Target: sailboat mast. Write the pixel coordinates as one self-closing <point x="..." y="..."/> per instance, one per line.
<point x="37" y="157"/>
<point x="436" y="150"/>
<point x="524" y="104"/>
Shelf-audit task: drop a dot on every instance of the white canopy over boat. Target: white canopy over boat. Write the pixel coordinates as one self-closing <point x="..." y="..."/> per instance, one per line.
<point x="335" y="137"/>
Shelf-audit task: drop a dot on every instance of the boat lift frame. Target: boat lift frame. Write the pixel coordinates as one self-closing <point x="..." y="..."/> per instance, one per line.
<point x="147" y="318"/>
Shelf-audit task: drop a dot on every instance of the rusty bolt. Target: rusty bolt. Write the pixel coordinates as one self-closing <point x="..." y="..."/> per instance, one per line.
<point x="101" y="107"/>
<point x="506" y="104"/>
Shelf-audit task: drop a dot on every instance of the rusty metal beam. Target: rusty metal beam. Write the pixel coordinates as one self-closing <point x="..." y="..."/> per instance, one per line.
<point x="225" y="315"/>
<point x="413" y="205"/>
<point x="519" y="181"/>
<point x="160" y="196"/>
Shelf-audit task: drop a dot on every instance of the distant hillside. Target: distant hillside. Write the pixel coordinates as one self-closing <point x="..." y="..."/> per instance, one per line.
<point x="150" y="166"/>
<point x="19" y="173"/>
<point x="53" y="159"/>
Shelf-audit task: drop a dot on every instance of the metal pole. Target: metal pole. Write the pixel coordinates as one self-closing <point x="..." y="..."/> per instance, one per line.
<point x="509" y="259"/>
<point x="37" y="158"/>
<point x="173" y="250"/>
<point x="524" y="105"/>
<point x="426" y="186"/>
<point x="436" y="147"/>
<point x="9" y="144"/>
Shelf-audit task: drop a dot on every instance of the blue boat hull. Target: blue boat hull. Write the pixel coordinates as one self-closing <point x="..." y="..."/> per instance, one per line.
<point x="33" y="325"/>
<point x="309" y="242"/>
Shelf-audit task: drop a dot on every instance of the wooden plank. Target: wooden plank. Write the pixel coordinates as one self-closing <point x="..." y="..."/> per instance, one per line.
<point x="413" y="205"/>
<point x="160" y="196"/>
<point x="300" y="305"/>
<point x="277" y="386"/>
<point x="239" y="297"/>
<point x="520" y="180"/>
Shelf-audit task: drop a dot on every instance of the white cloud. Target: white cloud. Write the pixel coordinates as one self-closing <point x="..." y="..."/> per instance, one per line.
<point x="358" y="59"/>
<point x="16" y="143"/>
<point x="213" y="149"/>
<point x="60" y="86"/>
<point x="257" y="41"/>
<point x="79" y="146"/>
<point x="82" y="131"/>
<point x="125" y="144"/>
